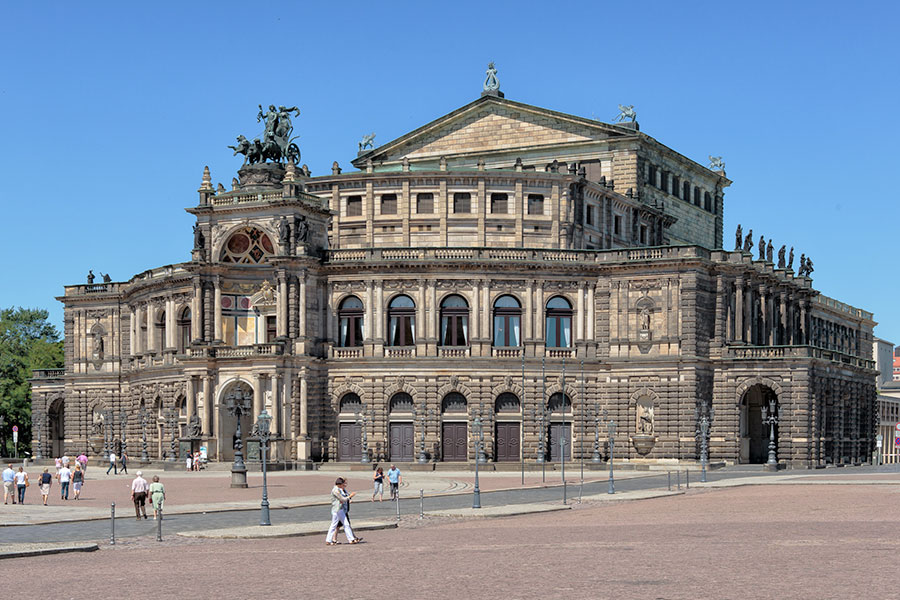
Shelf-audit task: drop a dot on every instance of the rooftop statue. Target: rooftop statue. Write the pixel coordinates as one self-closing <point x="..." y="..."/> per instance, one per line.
<point x="748" y="242"/>
<point x="790" y="262"/>
<point x="367" y="142"/>
<point x="769" y="250"/>
<point x="491" y="84"/>
<point x="781" y="252"/>
<point x="762" y="248"/>
<point x="716" y="163"/>
<point x="276" y="144"/>
<point x="738" y="237"/>
<point x="626" y="112"/>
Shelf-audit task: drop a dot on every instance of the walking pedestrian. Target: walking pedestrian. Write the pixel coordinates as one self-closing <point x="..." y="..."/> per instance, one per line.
<point x="139" y="489"/>
<point x="124" y="459"/>
<point x="21" y="484"/>
<point x="340" y="500"/>
<point x="395" y="479"/>
<point x="83" y="461"/>
<point x="65" y="460"/>
<point x="9" y="477"/>
<point x="112" y="464"/>
<point x="189" y="462"/>
<point x="46" y="482"/>
<point x="58" y="464"/>
<point x="378" y="478"/>
<point x="157" y="496"/>
<point x="77" y="480"/>
<point x="64" y="476"/>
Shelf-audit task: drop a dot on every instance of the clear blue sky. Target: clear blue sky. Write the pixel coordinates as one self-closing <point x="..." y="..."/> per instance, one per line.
<point x="110" y="111"/>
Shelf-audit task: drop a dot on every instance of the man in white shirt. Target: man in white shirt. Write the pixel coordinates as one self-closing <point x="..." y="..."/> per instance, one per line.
<point x="65" y="460"/>
<point x="112" y="464"/>
<point x="64" y="477"/>
<point x="9" y="477"/>
<point x="139" y="489"/>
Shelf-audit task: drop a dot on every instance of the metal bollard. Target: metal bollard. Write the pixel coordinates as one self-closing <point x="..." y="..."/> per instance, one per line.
<point x="159" y="524"/>
<point x="687" y="478"/>
<point x="398" y="504"/>
<point x="421" y="504"/>
<point x="112" y="524"/>
<point x="669" y="479"/>
<point x="678" y="480"/>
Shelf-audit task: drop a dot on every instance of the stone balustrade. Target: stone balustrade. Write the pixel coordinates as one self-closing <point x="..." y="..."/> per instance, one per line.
<point x="454" y="351"/>
<point x="506" y="351"/>
<point x="48" y="373"/>
<point x="782" y="352"/>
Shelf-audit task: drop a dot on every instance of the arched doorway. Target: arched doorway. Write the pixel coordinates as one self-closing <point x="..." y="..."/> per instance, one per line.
<point x="57" y="429"/>
<point x="754" y="433"/>
<point x="561" y="419"/>
<point x="239" y="393"/>
<point x="350" y="428"/>
<point x="506" y="427"/>
<point x="401" y="431"/>
<point x="454" y="427"/>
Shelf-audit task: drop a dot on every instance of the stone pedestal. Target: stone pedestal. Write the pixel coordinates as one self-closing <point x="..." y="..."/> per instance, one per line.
<point x="643" y="443"/>
<point x="239" y="477"/>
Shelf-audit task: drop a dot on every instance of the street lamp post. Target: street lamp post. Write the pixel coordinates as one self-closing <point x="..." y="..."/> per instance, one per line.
<point x="37" y="424"/>
<point x="107" y="433"/>
<point x="482" y="457"/>
<point x="142" y="414"/>
<point x="237" y="402"/>
<point x="596" y="457"/>
<point x="770" y="416"/>
<point x="423" y="458"/>
<point x="172" y="425"/>
<point x="704" y="418"/>
<point x="363" y="422"/>
<point x="123" y="426"/>
<point x="479" y="438"/>
<point x="611" y="429"/>
<point x="264" y="433"/>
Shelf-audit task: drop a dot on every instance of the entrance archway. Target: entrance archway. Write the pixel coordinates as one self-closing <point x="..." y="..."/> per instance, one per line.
<point x="754" y="433"/>
<point x="237" y="392"/>
<point x="57" y="428"/>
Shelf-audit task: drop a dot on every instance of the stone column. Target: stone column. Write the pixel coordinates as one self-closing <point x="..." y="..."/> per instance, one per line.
<point x="196" y="314"/>
<point x="258" y="397"/>
<point x="474" y="332"/>
<point x="217" y="299"/>
<point x="431" y="310"/>
<point x="191" y="398"/>
<point x="721" y="311"/>
<point x="748" y="313"/>
<point x="739" y="309"/>
<point x="539" y="322"/>
<point x="302" y="302"/>
<point x="579" y="313"/>
<point x="135" y="328"/>
<point x="170" y="323"/>
<point x="770" y="317"/>
<point x="804" y="334"/>
<point x="792" y="312"/>
<point x="281" y="307"/>
<point x="378" y="325"/>
<point x="149" y="342"/>
<point x="762" y="338"/>
<point x="329" y="312"/>
<point x="528" y="315"/>
<point x="590" y="326"/>
<point x="486" y="307"/>
<point x="304" y="407"/>
<point x="208" y="409"/>
<point x="276" y="396"/>
<point x="420" y="334"/>
<point x="784" y="318"/>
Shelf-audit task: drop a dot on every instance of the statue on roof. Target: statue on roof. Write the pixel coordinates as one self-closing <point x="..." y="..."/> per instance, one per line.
<point x="626" y="112"/>
<point x="781" y="252"/>
<point x="790" y="262"/>
<point x="738" y="237"/>
<point x="801" y="270"/>
<point x="769" y="250"/>
<point x="276" y="143"/>
<point x="367" y="142"/>
<point x="748" y="242"/>
<point x="762" y="248"/>
<point x="491" y="84"/>
<point x="716" y="163"/>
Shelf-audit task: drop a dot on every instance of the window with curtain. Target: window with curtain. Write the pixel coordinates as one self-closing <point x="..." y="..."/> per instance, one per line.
<point x="499" y="204"/>
<point x="402" y="322"/>
<point x="184" y="331"/>
<point x="454" y="321"/>
<point x="160" y="332"/>
<point x="507" y="321"/>
<point x="350" y="315"/>
<point x="558" y="331"/>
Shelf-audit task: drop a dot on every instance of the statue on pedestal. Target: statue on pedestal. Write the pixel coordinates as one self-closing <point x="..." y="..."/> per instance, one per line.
<point x="738" y="237"/>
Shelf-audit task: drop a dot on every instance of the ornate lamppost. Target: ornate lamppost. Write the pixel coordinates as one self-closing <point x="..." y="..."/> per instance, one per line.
<point x="478" y="430"/>
<point x="143" y="414"/>
<point x="596" y="458"/>
<point x="107" y="433"/>
<point x="123" y="425"/>
<point x="237" y="403"/>
<point x="37" y="426"/>
<point x="423" y="457"/>
<point x="363" y="422"/>
<point x="771" y="414"/>
<point x="172" y="425"/>
<point x="704" y="415"/>
<point x="264" y="433"/>
<point x="482" y="457"/>
<point x="611" y="430"/>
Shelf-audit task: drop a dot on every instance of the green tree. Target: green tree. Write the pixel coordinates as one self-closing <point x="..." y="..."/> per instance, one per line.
<point x="27" y="341"/>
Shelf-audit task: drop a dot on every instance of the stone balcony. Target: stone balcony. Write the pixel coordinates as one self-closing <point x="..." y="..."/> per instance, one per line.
<point x="48" y="373"/>
<point x="782" y="352"/>
<point x="253" y="350"/>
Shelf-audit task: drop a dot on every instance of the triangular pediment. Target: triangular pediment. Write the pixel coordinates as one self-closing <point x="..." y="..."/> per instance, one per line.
<point x="492" y="125"/>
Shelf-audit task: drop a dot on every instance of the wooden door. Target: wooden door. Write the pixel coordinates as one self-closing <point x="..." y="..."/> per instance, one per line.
<point x="557" y="431"/>
<point x="507" y="440"/>
<point x="454" y="441"/>
<point x="402" y="442"/>
<point x="350" y="448"/>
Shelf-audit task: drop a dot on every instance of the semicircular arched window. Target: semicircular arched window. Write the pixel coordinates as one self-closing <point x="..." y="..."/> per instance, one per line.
<point x="401" y="402"/>
<point x="454" y="321"/>
<point x="454" y="402"/>
<point x="402" y="321"/>
<point x="507" y="402"/>
<point x="559" y="323"/>
<point x="507" y="321"/>
<point x="248" y="246"/>
<point x="351" y="317"/>
<point x="559" y="403"/>
<point x="351" y="403"/>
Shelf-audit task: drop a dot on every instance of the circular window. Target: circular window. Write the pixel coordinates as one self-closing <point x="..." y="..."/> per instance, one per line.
<point x="247" y="246"/>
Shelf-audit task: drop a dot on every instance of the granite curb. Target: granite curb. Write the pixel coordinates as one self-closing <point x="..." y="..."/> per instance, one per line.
<point x="278" y="531"/>
<point x="26" y="550"/>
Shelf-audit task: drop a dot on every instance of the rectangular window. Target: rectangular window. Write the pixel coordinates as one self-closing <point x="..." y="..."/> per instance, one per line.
<point x="499" y="204"/>
<point x="506" y="330"/>
<point x="676" y="186"/>
<point x="535" y="204"/>
<point x="424" y="204"/>
<point x="271" y="329"/>
<point x="707" y="202"/>
<point x="686" y="191"/>
<point x="617" y="225"/>
<point x="354" y="206"/>
<point x="389" y="204"/>
<point x="664" y="181"/>
<point x="697" y="196"/>
<point x="462" y="203"/>
<point x="644" y="234"/>
<point x="589" y="217"/>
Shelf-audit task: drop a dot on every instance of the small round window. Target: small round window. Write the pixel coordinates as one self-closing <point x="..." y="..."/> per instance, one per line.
<point x="247" y="246"/>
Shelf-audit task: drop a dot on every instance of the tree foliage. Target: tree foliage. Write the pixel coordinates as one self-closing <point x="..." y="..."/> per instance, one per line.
<point x="27" y="341"/>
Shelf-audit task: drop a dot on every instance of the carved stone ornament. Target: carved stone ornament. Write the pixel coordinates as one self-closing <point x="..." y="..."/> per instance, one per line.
<point x="645" y="284"/>
<point x="454" y="382"/>
<point x="400" y="381"/>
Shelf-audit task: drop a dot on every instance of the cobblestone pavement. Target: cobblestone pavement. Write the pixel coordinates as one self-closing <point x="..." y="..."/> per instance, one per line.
<point x="761" y="541"/>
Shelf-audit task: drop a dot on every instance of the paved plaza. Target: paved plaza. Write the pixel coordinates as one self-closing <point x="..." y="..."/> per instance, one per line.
<point x="801" y="534"/>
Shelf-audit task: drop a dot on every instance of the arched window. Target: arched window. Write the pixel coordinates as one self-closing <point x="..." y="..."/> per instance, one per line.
<point x="184" y="331"/>
<point x="558" y="333"/>
<point x="351" y="322"/>
<point x="507" y="321"/>
<point x="182" y="406"/>
<point x="351" y="403"/>
<point x="507" y="402"/>
<point x="559" y="402"/>
<point x="160" y="327"/>
<point x="402" y="322"/>
<point x="454" y="321"/>
<point x="401" y="402"/>
<point x="454" y="402"/>
<point x="247" y="246"/>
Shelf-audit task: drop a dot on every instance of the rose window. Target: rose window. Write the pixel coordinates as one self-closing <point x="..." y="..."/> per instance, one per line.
<point x="247" y="246"/>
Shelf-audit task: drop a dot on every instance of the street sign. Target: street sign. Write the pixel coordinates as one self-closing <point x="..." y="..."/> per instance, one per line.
<point x="897" y="426"/>
<point x="897" y="441"/>
<point x="16" y="428"/>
